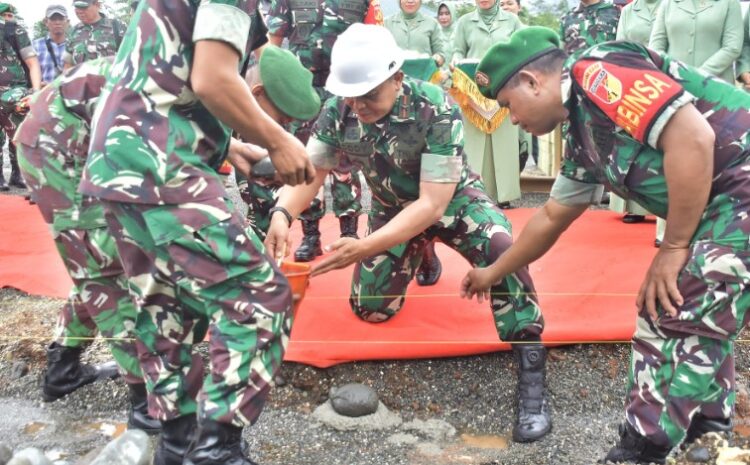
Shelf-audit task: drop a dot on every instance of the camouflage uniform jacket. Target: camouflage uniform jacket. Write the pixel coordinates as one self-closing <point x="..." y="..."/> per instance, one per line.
<point x="312" y="27"/>
<point x="622" y="95"/>
<point x="585" y="26"/>
<point x="153" y="141"/>
<point x="12" y="73"/>
<point x="59" y="120"/>
<point x="421" y="140"/>
<point x="90" y="41"/>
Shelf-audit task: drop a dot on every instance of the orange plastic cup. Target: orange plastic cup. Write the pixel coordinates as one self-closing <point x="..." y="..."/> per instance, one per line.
<point x="298" y="275"/>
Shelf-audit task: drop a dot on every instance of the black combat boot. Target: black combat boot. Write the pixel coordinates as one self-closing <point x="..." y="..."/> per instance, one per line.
<point x="348" y="224"/>
<point x="310" y="247"/>
<point x="139" y="417"/>
<point x="217" y="443"/>
<point x="174" y="442"/>
<point x="701" y="425"/>
<point x="15" y="173"/>
<point x="3" y="186"/>
<point x="65" y="372"/>
<point x="430" y="269"/>
<point x="634" y="448"/>
<point x="533" y="412"/>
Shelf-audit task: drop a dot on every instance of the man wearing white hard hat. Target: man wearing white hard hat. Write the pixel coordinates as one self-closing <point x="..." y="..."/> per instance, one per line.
<point x="407" y="139"/>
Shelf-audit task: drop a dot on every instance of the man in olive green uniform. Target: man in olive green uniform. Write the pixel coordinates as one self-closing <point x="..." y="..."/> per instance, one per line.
<point x="407" y="138"/>
<point x="676" y="140"/>
<point x="95" y="36"/>
<point x="20" y="75"/>
<point x="312" y="27"/>
<point x="159" y="134"/>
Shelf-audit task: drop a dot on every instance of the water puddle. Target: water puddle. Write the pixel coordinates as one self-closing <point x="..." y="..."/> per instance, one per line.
<point x="485" y="441"/>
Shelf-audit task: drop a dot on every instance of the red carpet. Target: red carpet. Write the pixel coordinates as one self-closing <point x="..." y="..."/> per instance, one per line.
<point x="587" y="287"/>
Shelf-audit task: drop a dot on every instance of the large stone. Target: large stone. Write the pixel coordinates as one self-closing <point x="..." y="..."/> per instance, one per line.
<point x="30" y="456"/>
<point x="132" y="448"/>
<point x="698" y="454"/>
<point x="437" y="430"/>
<point x="5" y="454"/>
<point x="354" y="400"/>
<point x="381" y="419"/>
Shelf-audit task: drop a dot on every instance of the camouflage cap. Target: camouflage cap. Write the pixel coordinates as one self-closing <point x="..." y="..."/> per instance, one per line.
<point x="288" y="84"/>
<point x="83" y="3"/>
<point x="7" y="7"/>
<point x="506" y="58"/>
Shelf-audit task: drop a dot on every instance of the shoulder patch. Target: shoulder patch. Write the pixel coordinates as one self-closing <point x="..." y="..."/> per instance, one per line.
<point x="631" y="97"/>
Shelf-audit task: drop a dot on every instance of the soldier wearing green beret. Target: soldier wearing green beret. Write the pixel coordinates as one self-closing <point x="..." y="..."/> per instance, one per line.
<point x="94" y="37"/>
<point x="676" y="140"/>
<point x="20" y="75"/>
<point x="407" y="138"/>
<point x="173" y="98"/>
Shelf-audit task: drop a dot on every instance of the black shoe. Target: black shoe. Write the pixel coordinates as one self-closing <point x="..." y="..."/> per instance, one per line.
<point x="630" y="218"/>
<point x="348" y="224"/>
<point x="175" y="440"/>
<point x="504" y="205"/>
<point x="430" y="269"/>
<point x="657" y="243"/>
<point x="310" y="247"/>
<point x="139" y="417"/>
<point x="605" y="198"/>
<point x="3" y="187"/>
<point x="16" y="180"/>
<point x="634" y="448"/>
<point x="217" y="443"/>
<point x="701" y="425"/>
<point x="533" y="421"/>
<point x="65" y="372"/>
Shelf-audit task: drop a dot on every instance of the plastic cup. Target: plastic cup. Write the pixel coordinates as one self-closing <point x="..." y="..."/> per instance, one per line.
<point x="298" y="275"/>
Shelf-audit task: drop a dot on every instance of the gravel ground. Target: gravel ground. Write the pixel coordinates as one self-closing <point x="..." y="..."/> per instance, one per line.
<point x="473" y="394"/>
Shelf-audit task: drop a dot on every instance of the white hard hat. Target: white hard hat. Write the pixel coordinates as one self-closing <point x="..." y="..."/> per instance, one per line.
<point x="362" y="58"/>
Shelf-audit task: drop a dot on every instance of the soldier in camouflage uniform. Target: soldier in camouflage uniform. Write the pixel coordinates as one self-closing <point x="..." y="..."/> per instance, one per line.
<point x="312" y="27"/>
<point x="52" y="148"/>
<point x="184" y="249"/>
<point x="94" y="37"/>
<point x="591" y="22"/>
<point x="676" y="140"/>
<point x="407" y="139"/>
<point x="20" y="75"/>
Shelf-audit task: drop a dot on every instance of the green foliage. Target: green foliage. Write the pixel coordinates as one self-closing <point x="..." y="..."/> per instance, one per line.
<point x="39" y="29"/>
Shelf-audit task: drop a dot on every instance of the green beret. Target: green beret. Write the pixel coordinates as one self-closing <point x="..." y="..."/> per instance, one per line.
<point x="288" y="84"/>
<point x="7" y="7"/>
<point x="505" y="59"/>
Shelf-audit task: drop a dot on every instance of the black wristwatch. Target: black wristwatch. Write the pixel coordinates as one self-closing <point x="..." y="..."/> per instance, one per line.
<point x="283" y="210"/>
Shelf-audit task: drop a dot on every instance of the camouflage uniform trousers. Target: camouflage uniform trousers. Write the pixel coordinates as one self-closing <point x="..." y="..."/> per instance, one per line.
<point x="100" y="299"/>
<point x="261" y="195"/>
<point x="475" y="227"/>
<point x="194" y="263"/>
<point x="684" y="365"/>
<point x="9" y="121"/>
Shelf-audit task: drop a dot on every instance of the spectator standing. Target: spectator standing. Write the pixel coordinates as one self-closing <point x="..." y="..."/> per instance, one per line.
<point x="51" y="49"/>
<point x="705" y="34"/>
<point x="19" y="76"/>
<point x="636" y="23"/>
<point x="493" y="155"/>
<point x="591" y="22"/>
<point x="743" y="62"/>
<point x="95" y="36"/>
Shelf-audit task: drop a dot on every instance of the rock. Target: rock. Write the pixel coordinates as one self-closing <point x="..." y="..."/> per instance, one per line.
<point x="354" y="400"/>
<point x="132" y="448"/>
<point x="437" y="430"/>
<point x="279" y="381"/>
<point x="5" y="454"/>
<point x="381" y="419"/>
<point x="30" y="456"/>
<point x="698" y="454"/>
<point x="400" y="439"/>
<point x="19" y="370"/>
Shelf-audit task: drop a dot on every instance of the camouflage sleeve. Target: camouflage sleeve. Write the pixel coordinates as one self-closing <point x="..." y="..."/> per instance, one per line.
<point x="223" y="20"/>
<point x="279" y="19"/>
<point x="323" y="146"/>
<point x="443" y="159"/>
<point x="24" y="44"/>
<point x="629" y="89"/>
